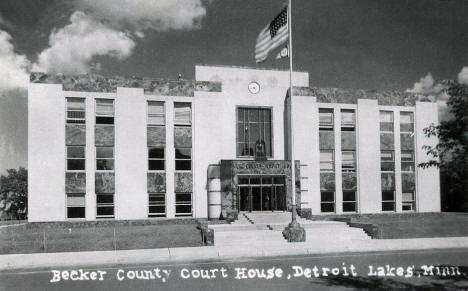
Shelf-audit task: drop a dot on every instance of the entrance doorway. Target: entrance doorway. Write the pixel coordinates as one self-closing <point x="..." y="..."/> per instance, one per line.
<point x="261" y="193"/>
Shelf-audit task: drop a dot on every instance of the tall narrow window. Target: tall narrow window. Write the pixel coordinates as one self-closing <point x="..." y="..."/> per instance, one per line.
<point x="327" y="161"/>
<point x="388" y="200"/>
<point x="156" y="115"/>
<point x="387" y="161"/>
<point x="183" y="204"/>
<point x="326" y="118"/>
<point x="75" y="158"/>
<point x="349" y="201"/>
<point x="327" y="202"/>
<point x="182" y="113"/>
<point x="386" y="121"/>
<point x="253" y="126"/>
<point x="406" y="122"/>
<point x="75" y="205"/>
<point x="104" y="111"/>
<point x="183" y="159"/>
<point x="348" y="119"/>
<point x="76" y="111"/>
<point x="407" y="161"/>
<point x="156" y="160"/>
<point x="105" y="205"/>
<point x="348" y="161"/>
<point x="157" y="205"/>
<point x="104" y="158"/>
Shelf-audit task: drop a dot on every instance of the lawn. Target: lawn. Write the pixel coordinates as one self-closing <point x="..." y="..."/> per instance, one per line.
<point x="63" y="238"/>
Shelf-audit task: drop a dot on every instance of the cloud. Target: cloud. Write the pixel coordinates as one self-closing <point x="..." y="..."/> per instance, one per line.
<point x="73" y="47"/>
<point x="463" y="76"/>
<point x="160" y="15"/>
<point x="13" y="67"/>
<point x="427" y="86"/>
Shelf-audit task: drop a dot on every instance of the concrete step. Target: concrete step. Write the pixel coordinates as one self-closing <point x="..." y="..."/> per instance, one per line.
<point x="237" y="227"/>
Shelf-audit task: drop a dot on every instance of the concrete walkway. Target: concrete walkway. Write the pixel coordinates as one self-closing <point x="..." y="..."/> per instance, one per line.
<point x="148" y="256"/>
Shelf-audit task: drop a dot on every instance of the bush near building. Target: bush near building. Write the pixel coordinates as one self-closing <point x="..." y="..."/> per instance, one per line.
<point x="14" y="194"/>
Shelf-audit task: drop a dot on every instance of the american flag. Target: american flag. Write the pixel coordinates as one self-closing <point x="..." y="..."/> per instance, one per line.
<point x="272" y="36"/>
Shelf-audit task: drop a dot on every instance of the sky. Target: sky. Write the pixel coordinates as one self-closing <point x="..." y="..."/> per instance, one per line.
<point x="368" y="44"/>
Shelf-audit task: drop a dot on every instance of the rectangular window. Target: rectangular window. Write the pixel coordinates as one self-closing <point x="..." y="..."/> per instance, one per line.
<point x="183" y="204"/>
<point x="387" y="161"/>
<point x="407" y="161"/>
<point x="105" y="205"/>
<point x="388" y="201"/>
<point x="348" y="159"/>
<point x="104" y="111"/>
<point x="386" y="121"/>
<point x="156" y="161"/>
<point x="406" y="122"/>
<point x="75" y="158"/>
<point x="157" y="205"/>
<point x="348" y="119"/>
<point x="326" y="118"/>
<point x="253" y="125"/>
<point x="156" y="114"/>
<point x="349" y="201"/>
<point x="76" y="111"/>
<point x="183" y="159"/>
<point x="75" y="206"/>
<point x="327" y="202"/>
<point x="327" y="161"/>
<point x="408" y="202"/>
<point x="182" y="113"/>
<point x="104" y="158"/>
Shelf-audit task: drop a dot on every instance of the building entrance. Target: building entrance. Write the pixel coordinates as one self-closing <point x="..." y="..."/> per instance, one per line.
<point x="261" y="193"/>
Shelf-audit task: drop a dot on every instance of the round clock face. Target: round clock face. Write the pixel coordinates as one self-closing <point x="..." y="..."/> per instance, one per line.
<point x="254" y="87"/>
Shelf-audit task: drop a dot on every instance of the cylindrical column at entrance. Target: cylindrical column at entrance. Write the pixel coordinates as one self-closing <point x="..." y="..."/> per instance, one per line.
<point x="214" y="192"/>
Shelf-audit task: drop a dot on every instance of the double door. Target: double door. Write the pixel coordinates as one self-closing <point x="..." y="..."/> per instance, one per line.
<point x="261" y="193"/>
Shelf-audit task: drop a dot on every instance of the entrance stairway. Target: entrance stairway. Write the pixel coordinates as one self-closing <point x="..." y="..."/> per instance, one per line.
<point x="265" y="229"/>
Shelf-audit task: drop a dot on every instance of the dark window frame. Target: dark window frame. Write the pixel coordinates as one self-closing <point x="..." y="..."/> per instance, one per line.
<point x="245" y="143"/>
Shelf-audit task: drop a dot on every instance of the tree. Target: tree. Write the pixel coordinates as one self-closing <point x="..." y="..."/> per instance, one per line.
<point x="450" y="154"/>
<point x="14" y="193"/>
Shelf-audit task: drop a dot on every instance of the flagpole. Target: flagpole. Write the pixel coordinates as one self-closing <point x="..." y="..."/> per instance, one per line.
<point x="291" y="134"/>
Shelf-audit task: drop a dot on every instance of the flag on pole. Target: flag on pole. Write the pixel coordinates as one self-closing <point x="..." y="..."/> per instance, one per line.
<point x="283" y="53"/>
<point x="272" y="36"/>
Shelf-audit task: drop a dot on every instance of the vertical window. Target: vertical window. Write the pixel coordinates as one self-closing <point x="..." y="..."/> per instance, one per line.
<point x="156" y="161"/>
<point x="75" y="206"/>
<point x="156" y="115"/>
<point x="104" y="111"/>
<point x="182" y="113"/>
<point x="407" y="161"/>
<point x="75" y="158"/>
<point x="348" y="159"/>
<point x="327" y="161"/>
<point x="387" y="161"/>
<point x="183" y="159"/>
<point x="157" y="205"/>
<point x="327" y="202"/>
<point x="349" y="201"/>
<point x="386" y="121"/>
<point x="105" y="205"/>
<point x="348" y="119"/>
<point x="253" y="125"/>
<point x="406" y="122"/>
<point x="76" y="111"/>
<point x="408" y="201"/>
<point x="183" y="204"/>
<point x="326" y="118"/>
<point x="104" y="158"/>
<point x="388" y="200"/>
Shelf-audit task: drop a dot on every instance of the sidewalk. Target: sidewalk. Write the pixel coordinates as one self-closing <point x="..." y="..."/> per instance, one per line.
<point x="146" y="256"/>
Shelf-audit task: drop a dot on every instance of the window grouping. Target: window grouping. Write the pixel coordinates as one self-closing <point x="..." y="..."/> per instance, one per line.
<point x="327" y="160"/>
<point x="253" y="128"/>
<point x="75" y="157"/>
<point x="156" y="158"/>
<point x="183" y="157"/>
<point x="407" y="161"/>
<point x="348" y="159"/>
<point x="387" y="160"/>
<point x="105" y="157"/>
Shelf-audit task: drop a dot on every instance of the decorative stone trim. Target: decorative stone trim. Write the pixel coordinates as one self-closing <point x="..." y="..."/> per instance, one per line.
<point x="75" y="183"/>
<point x="104" y="183"/>
<point x="156" y="182"/>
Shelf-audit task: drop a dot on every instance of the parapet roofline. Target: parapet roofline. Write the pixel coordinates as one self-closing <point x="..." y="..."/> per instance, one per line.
<point x="250" y="68"/>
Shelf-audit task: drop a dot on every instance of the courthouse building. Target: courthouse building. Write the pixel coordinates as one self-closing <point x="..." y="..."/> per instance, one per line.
<point x="137" y="148"/>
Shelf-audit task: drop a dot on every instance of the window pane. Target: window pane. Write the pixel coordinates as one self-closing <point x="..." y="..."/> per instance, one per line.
<point x="255" y="180"/>
<point x="75" y="212"/>
<point x="241" y="132"/>
<point x="327" y="207"/>
<point x="266" y="180"/>
<point x="104" y="152"/>
<point x="155" y="107"/>
<point x="349" y="196"/>
<point x="407" y="166"/>
<point x="105" y="211"/>
<point x="347" y="117"/>
<point x="386" y="116"/>
<point x="278" y="180"/>
<point x="183" y="153"/>
<point x="386" y="156"/>
<point x="326" y="156"/>
<point x="104" y="107"/>
<point x="387" y="166"/>
<point x="75" y="103"/>
<point x="388" y="195"/>
<point x="159" y="120"/>
<point x="407" y="156"/>
<point x="349" y="206"/>
<point x="388" y="206"/>
<point x="325" y="166"/>
<point x="158" y="209"/>
<point x="327" y="196"/>
<point x="156" y="153"/>
<point x="157" y="198"/>
<point x="183" y="197"/>
<point x="243" y="180"/>
<point x="408" y="196"/>
<point x="182" y="113"/>
<point x="105" y="165"/>
<point x="73" y="164"/>
<point x="406" y="117"/>
<point x="254" y="115"/>
<point x="100" y="199"/>
<point x="75" y="200"/>
<point x="183" y="209"/>
<point x="347" y="156"/>
<point x="183" y="165"/>
<point x="155" y="165"/>
<point x="104" y="120"/>
<point x="75" y="152"/>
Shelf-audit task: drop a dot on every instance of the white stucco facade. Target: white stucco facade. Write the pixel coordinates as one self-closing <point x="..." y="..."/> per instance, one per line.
<point x="214" y="137"/>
